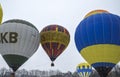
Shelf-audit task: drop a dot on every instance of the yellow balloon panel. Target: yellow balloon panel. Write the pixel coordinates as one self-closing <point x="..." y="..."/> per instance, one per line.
<point x="95" y="12"/>
<point x="53" y="36"/>
<point x="99" y="53"/>
<point x="1" y="13"/>
<point x="86" y="65"/>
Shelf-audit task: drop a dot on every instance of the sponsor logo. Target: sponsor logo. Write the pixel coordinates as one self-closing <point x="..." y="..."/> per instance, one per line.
<point x="8" y="37"/>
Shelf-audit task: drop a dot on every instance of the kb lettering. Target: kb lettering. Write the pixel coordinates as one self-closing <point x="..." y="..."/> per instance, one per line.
<point x="8" y="37"/>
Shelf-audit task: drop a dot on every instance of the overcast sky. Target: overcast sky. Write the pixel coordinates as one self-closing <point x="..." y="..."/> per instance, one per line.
<point x="67" y="13"/>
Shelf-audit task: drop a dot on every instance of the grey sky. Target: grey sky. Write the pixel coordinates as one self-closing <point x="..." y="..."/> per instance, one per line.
<point x="67" y="13"/>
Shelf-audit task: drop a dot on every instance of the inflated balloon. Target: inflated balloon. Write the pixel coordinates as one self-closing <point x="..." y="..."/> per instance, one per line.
<point x="97" y="38"/>
<point x="19" y="40"/>
<point x="96" y="12"/>
<point x="54" y="40"/>
<point x="1" y="13"/>
<point x="84" y="69"/>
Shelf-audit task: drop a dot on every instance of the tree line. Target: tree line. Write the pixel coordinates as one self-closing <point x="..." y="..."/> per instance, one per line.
<point x="56" y="73"/>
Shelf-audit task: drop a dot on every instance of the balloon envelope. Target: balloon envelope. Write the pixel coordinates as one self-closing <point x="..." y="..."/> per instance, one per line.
<point x="97" y="38"/>
<point x="1" y="13"/>
<point x="19" y="40"/>
<point x="54" y="40"/>
<point x="84" y="69"/>
<point x="95" y="12"/>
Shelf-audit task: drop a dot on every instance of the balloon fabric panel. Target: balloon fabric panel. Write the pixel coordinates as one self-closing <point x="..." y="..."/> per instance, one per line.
<point x="53" y="49"/>
<point x="96" y="51"/>
<point x="13" y="62"/>
<point x="21" y="22"/>
<point x="108" y="30"/>
<point x="96" y="12"/>
<point x="1" y="13"/>
<point x="54" y="36"/>
<point x="26" y="39"/>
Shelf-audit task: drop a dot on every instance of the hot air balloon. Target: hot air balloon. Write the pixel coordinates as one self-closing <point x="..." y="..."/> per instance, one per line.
<point x="1" y="13"/>
<point x="84" y="69"/>
<point x="97" y="38"/>
<point x="54" y="40"/>
<point x="96" y="12"/>
<point x="19" y="40"/>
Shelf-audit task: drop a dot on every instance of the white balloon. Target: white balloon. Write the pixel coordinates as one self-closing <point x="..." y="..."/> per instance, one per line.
<point x="18" y="37"/>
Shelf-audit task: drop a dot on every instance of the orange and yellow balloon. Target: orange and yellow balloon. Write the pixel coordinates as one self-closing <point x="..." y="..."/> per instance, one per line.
<point x="54" y="40"/>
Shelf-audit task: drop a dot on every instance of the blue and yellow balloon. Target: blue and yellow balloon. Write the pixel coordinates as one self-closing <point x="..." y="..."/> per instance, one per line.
<point x="97" y="38"/>
<point x="84" y="69"/>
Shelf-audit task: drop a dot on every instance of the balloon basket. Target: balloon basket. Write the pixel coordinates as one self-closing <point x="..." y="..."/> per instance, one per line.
<point x="12" y="74"/>
<point x="52" y="64"/>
